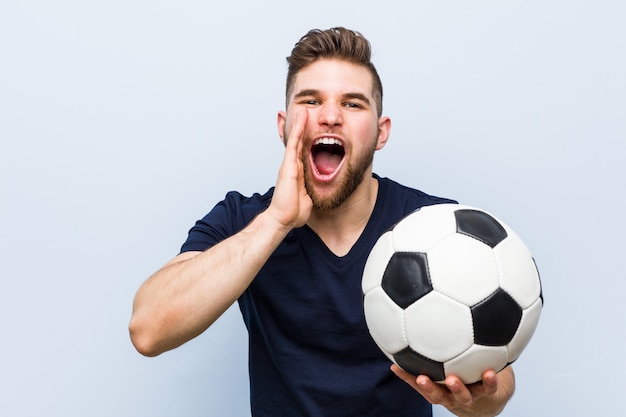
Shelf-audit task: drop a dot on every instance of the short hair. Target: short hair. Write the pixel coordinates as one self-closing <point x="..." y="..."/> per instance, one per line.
<point x="338" y="43"/>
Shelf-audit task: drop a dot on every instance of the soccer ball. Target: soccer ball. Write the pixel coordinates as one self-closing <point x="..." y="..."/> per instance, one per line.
<point x="451" y="290"/>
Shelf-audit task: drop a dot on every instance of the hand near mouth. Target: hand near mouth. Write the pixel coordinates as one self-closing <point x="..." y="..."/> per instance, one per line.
<point x="291" y="205"/>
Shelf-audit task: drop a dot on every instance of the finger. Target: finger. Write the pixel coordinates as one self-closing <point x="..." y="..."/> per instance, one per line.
<point x="294" y="129"/>
<point x="405" y="376"/>
<point x="295" y="126"/>
<point x="458" y="390"/>
<point x="490" y="382"/>
<point x="434" y="393"/>
<point x="422" y="384"/>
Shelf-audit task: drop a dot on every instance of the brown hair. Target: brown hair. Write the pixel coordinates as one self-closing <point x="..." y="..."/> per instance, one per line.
<point x="340" y="43"/>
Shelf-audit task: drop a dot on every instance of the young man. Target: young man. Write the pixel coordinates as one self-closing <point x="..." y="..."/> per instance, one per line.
<point x="293" y="258"/>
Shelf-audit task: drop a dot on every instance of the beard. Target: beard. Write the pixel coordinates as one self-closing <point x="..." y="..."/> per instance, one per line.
<point x="353" y="177"/>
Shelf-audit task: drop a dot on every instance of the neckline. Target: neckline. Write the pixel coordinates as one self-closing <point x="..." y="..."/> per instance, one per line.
<point x="362" y="241"/>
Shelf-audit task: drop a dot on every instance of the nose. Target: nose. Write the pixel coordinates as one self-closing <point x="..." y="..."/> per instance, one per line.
<point x="330" y="114"/>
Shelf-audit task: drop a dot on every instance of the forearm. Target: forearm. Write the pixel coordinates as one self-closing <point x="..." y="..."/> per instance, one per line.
<point x="491" y="405"/>
<point x="186" y="296"/>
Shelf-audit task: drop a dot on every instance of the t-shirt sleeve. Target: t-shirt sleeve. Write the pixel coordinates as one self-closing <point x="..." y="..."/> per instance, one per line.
<point x="228" y="217"/>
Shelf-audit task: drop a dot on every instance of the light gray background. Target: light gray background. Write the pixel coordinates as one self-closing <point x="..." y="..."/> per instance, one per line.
<point x="122" y="122"/>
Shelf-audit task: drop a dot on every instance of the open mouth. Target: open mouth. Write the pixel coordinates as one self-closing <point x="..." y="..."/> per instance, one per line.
<point x="327" y="155"/>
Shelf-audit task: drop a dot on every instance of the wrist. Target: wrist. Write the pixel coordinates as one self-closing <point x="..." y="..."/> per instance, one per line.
<point x="268" y="222"/>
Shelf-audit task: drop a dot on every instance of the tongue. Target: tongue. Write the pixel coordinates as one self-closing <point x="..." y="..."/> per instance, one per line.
<point x="327" y="162"/>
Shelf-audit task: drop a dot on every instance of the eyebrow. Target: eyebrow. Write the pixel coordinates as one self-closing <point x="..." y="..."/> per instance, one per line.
<point x="314" y="92"/>
<point x="357" y="96"/>
<point x="306" y="93"/>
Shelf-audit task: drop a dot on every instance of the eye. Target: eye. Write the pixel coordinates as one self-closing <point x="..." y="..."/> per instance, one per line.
<point x="352" y="105"/>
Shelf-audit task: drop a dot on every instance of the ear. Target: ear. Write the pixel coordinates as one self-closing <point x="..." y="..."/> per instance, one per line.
<point x="384" y="129"/>
<point x="281" y="120"/>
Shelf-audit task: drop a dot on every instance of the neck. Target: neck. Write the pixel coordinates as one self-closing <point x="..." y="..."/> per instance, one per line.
<point x="340" y="228"/>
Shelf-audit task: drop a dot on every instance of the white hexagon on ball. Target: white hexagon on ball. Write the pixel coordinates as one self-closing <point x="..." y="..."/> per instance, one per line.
<point x="433" y="226"/>
<point x="438" y="327"/>
<point x="518" y="273"/>
<point x="525" y="330"/>
<point x="376" y="265"/>
<point x="463" y="269"/>
<point x="385" y="320"/>
<point x="470" y="365"/>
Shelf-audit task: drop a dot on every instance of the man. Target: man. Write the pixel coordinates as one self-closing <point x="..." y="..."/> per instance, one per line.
<point x="293" y="258"/>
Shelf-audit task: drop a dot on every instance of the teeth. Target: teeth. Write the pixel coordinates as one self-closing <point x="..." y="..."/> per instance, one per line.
<point x="328" y="141"/>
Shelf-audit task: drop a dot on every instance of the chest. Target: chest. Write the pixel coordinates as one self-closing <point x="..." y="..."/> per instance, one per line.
<point x="308" y="294"/>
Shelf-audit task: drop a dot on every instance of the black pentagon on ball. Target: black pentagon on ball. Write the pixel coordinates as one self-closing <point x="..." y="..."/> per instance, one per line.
<point x="406" y="278"/>
<point x="496" y="319"/>
<point x="479" y="225"/>
<point x="417" y="364"/>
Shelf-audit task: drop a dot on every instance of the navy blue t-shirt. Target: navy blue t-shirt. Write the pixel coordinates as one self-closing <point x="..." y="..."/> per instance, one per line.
<point x="310" y="352"/>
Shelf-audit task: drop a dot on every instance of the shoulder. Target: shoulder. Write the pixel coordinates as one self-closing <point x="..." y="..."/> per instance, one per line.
<point x="234" y="200"/>
<point x="413" y="197"/>
<point x="226" y="218"/>
<point x="396" y="201"/>
<point x="237" y="210"/>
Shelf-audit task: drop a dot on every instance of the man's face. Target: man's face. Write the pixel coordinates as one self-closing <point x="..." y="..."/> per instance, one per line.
<point x="342" y="131"/>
